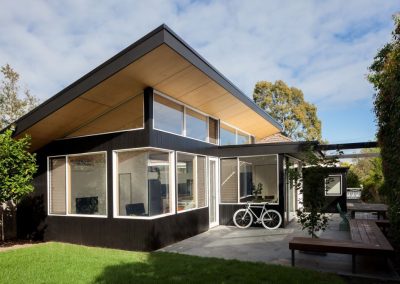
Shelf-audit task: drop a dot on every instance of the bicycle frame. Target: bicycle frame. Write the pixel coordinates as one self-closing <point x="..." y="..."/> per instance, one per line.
<point x="257" y="218"/>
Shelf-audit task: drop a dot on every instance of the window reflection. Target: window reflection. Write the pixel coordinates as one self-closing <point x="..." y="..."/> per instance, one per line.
<point x="168" y="115"/>
<point x="196" y="125"/>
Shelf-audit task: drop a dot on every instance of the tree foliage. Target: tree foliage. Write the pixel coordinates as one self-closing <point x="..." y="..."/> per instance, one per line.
<point x="385" y="77"/>
<point x="13" y="104"/>
<point x="17" y="167"/>
<point x="287" y="105"/>
<point x="312" y="185"/>
<point x="352" y="179"/>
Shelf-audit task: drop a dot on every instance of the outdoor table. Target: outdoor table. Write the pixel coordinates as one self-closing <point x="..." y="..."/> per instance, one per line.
<point x="379" y="208"/>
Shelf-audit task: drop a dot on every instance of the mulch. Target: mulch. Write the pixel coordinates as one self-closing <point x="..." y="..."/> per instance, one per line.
<point x="14" y="244"/>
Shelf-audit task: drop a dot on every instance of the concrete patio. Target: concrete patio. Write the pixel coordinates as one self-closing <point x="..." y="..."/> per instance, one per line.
<point x="259" y="244"/>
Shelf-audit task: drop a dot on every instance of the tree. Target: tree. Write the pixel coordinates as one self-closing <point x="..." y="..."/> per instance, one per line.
<point x="287" y="105"/>
<point x="385" y="77"/>
<point x="13" y="104"/>
<point x="17" y="167"/>
<point x="353" y="179"/>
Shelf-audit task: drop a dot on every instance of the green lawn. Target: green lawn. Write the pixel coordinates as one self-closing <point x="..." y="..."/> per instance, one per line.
<point x="66" y="263"/>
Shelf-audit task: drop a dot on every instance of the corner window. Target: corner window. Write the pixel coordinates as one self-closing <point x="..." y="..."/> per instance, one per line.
<point x="78" y="184"/>
<point x="333" y="185"/>
<point x="143" y="183"/>
<point x="168" y="115"/>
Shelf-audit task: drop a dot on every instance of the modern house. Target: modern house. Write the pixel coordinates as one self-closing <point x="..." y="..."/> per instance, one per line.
<point x="151" y="147"/>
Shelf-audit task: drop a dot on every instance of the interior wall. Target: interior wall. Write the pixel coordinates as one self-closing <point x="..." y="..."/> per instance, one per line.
<point x="267" y="176"/>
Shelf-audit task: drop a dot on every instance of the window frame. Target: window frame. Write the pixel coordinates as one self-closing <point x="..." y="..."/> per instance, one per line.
<point x="236" y="134"/>
<point x="194" y="177"/>
<point x="67" y="184"/>
<point x="238" y="177"/>
<point x="185" y="106"/>
<point x="340" y="187"/>
<point x="115" y="186"/>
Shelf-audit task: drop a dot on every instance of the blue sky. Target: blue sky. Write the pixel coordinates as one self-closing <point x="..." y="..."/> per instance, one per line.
<point x="321" y="47"/>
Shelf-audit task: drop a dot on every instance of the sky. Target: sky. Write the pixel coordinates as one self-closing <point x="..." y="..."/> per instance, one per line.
<point x="323" y="48"/>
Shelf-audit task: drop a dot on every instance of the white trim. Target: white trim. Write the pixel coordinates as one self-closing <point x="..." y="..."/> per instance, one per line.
<point x="101" y="133"/>
<point x="190" y="209"/>
<point x="145" y="217"/>
<point x="67" y="176"/>
<point x="171" y="186"/>
<point x="217" y="187"/>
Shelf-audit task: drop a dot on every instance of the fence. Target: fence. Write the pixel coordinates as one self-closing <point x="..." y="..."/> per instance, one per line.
<point x="353" y="193"/>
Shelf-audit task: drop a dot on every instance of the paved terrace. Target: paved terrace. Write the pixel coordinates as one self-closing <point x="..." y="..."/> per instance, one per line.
<point x="259" y="244"/>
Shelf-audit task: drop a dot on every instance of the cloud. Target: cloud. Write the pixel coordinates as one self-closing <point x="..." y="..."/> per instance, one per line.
<point x="321" y="47"/>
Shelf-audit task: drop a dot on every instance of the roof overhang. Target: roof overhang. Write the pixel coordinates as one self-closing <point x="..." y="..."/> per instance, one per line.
<point x="160" y="60"/>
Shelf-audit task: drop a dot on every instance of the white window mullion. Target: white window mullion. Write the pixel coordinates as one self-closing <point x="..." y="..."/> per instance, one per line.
<point x="67" y="197"/>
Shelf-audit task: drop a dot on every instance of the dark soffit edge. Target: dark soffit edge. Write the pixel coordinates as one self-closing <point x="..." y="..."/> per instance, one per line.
<point x="348" y="146"/>
<point x="280" y="146"/>
<point x="161" y="35"/>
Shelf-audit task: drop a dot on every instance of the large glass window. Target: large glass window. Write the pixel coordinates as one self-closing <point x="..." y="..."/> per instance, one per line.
<point x="196" y="125"/>
<point x="87" y="184"/>
<point x="57" y="180"/>
<point x="185" y="181"/>
<point x="229" y="181"/>
<point x="259" y="179"/>
<point x="227" y="135"/>
<point x="243" y="138"/>
<point x="251" y="179"/>
<point x="143" y="183"/>
<point x="168" y="115"/>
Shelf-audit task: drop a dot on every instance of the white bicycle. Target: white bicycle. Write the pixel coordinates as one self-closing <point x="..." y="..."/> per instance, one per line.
<point x="269" y="218"/>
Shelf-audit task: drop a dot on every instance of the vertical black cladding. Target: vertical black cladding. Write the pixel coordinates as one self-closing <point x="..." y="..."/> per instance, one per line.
<point x="132" y="234"/>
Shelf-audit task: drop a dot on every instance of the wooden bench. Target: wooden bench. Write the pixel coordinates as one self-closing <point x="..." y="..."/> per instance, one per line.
<point x="367" y="239"/>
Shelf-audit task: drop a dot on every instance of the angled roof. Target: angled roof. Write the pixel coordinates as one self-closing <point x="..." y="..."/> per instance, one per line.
<point x="194" y="81"/>
<point x="275" y="138"/>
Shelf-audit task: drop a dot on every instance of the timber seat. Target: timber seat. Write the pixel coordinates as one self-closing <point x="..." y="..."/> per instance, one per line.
<point x="366" y="239"/>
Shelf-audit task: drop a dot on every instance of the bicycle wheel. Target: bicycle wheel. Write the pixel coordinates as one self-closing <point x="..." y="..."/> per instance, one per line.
<point x="271" y="219"/>
<point x="242" y="219"/>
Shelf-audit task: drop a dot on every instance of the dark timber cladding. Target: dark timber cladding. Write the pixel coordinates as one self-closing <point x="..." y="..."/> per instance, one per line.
<point x="130" y="234"/>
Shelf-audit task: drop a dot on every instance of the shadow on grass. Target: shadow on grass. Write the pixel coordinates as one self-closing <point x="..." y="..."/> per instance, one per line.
<point x="169" y="267"/>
